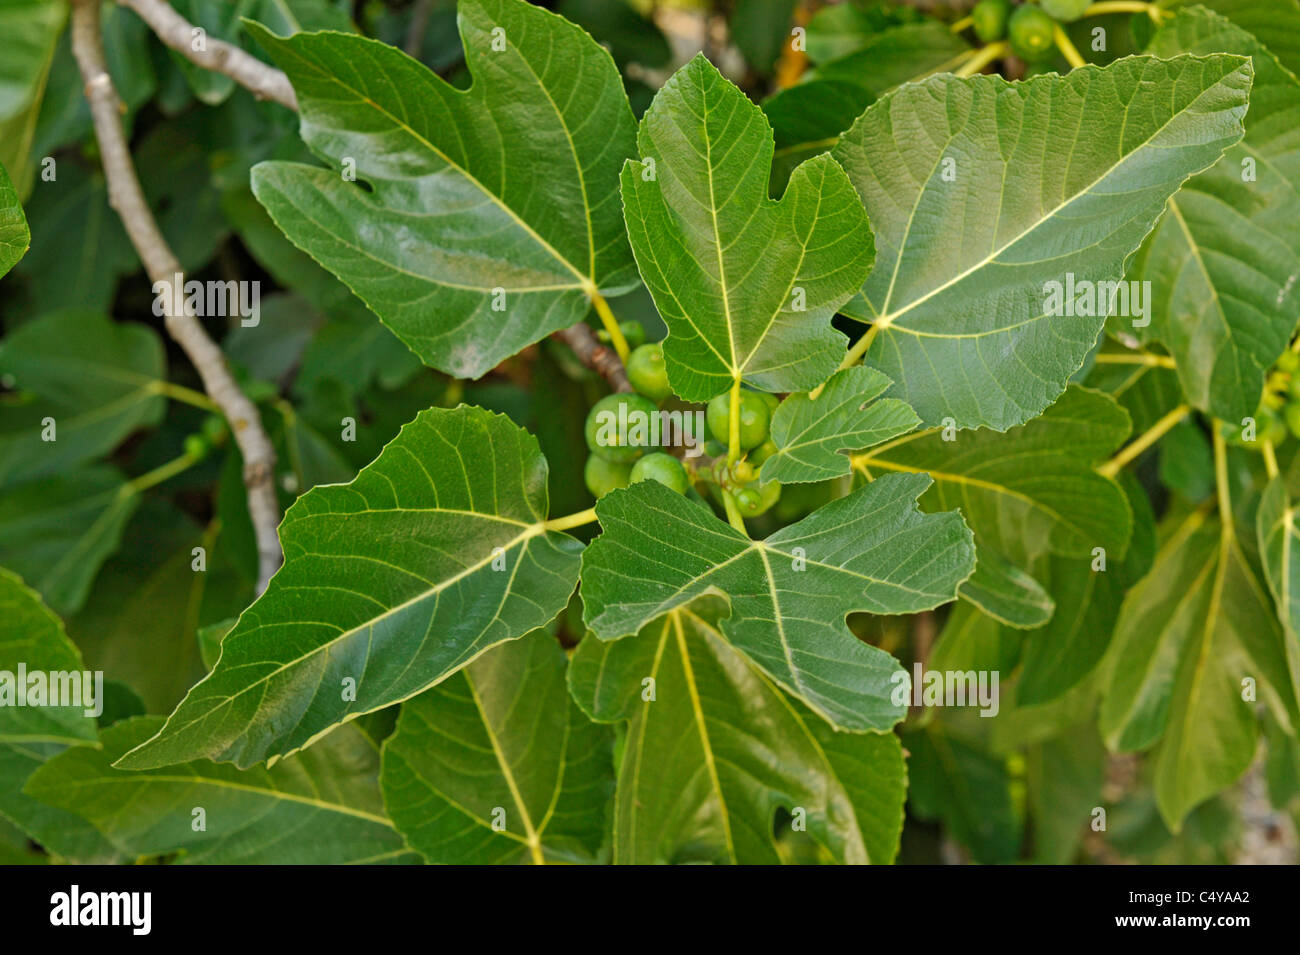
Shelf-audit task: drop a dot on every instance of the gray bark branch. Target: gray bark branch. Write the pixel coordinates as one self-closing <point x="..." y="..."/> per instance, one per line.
<point x="599" y="358"/>
<point x="264" y="82"/>
<point x="127" y="198"/>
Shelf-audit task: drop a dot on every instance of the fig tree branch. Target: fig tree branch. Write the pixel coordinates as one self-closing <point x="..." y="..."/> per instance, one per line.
<point x="1143" y="441"/>
<point x="594" y="355"/>
<point x="420" y="14"/>
<point x="161" y="265"/>
<point x="264" y="82"/>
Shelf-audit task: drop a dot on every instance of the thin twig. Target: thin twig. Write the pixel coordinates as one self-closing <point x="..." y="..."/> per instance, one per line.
<point x="1270" y="459"/>
<point x="1143" y="441"/>
<point x="924" y="630"/>
<point x="594" y="355"/>
<point x="160" y="263"/>
<point x="1135" y="358"/>
<point x="982" y="58"/>
<point x="264" y="82"/>
<point x="1067" y="48"/>
<point x="612" y="327"/>
<point x="418" y="28"/>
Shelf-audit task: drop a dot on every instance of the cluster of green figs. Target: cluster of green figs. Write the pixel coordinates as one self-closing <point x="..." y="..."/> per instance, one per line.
<point x="1278" y="414"/>
<point x="1029" y="28"/>
<point x="620" y="455"/>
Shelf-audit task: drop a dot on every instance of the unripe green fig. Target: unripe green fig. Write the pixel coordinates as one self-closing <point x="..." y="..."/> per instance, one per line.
<point x="664" y="468"/>
<point x="1066" y="11"/>
<point x="1232" y="433"/>
<point x="1031" y="32"/>
<point x="197" y="446"/>
<point x="618" y="427"/>
<point x="754" y="419"/>
<point x="762" y="453"/>
<point x="633" y="331"/>
<point x="1270" y="426"/>
<point x="214" y="429"/>
<point x="989" y="18"/>
<point x="756" y="500"/>
<point x="603" y="476"/>
<point x="771" y="493"/>
<point x="648" y="373"/>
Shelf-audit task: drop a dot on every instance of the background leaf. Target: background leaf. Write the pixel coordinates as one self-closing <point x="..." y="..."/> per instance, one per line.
<point x="218" y="19"/>
<point x="957" y="780"/>
<point x="1187" y="637"/>
<point x="1275" y="22"/>
<point x="30" y="28"/>
<point x="809" y="117"/>
<point x="1006" y="592"/>
<point x="1033" y="487"/>
<point x="58" y="531"/>
<point x="140" y="620"/>
<point x="32" y="636"/>
<point x="719" y="750"/>
<point x="79" y="248"/>
<point x="14" y="237"/>
<point x="501" y="743"/>
<point x="1224" y="258"/>
<point x="1061" y="655"/>
<point x="1279" y="552"/>
<point x="99" y="381"/>
<point x="317" y="808"/>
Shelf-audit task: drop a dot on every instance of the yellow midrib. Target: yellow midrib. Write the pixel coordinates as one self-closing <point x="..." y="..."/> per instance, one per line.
<point x="705" y="743"/>
<point x="533" y="838"/>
